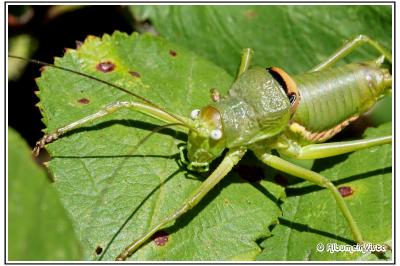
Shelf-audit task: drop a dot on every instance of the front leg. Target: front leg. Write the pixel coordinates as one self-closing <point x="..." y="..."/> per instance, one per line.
<point x="230" y="160"/>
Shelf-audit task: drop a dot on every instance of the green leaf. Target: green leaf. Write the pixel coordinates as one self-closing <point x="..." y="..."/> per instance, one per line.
<point x="310" y="215"/>
<point x="295" y="38"/>
<point x="114" y="195"/>
<point x="38" y="228"/>
<point x="103" y="185"/>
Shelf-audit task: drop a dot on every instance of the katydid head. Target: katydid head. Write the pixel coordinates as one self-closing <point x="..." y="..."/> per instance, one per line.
<point x="206" y="142"/>
<point x="259" y="105"/>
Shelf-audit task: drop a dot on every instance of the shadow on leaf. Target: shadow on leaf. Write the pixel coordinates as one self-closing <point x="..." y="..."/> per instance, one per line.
<point x="291" y="192"/>
<point x="305" y="228"/>
<point x="134" y="211"/>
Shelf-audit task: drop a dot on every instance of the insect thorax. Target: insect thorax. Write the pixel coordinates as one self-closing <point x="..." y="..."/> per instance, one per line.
<point x="256" y="108"/>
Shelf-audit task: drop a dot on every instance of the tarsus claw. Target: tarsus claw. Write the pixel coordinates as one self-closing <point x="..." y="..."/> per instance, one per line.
<point x="43" y="141"/>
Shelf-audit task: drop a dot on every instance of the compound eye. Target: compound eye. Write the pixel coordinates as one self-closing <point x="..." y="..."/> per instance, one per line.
<point x="216" y="134"/>
<point x="211" y="117"/>
<point x="195" y="113"/>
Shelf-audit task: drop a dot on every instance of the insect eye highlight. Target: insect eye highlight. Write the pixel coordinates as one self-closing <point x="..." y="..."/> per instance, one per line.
<point x="216" y="134"/>
<point x="195" y="113"/>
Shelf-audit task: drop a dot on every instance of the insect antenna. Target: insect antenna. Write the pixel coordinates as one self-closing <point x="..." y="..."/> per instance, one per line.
<point x="155" y="130"/>
<point x="134" y="149"/>
<point x="184" y="123"/>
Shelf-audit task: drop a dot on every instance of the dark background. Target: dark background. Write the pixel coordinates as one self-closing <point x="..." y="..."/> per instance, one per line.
<point x="53" y="33"/>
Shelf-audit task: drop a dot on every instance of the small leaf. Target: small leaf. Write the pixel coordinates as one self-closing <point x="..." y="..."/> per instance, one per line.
<point x="38" y="228"/>
<point x="310" y="215"/>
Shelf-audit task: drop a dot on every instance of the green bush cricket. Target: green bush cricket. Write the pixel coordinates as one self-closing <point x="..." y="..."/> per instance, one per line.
<point x="267" y="110"/>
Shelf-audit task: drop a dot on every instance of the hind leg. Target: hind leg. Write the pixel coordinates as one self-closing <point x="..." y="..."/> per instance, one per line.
<point x="349" y="47"/>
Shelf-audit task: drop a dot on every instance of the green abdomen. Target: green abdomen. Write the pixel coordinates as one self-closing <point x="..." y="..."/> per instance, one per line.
<point x="332" y="96"/>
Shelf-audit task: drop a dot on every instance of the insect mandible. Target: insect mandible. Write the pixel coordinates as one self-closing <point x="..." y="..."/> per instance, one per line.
<point x="265" y="111"/>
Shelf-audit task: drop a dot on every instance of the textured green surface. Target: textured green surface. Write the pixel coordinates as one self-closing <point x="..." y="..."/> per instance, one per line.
<point x="102" y="185"/>
<point x="38" y="228"/>
<point x="310" y="215"/>
<point x="295" y="38"/>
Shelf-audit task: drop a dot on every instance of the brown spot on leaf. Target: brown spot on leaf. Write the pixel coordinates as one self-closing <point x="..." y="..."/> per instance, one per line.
<point x="345" y="191"/>
<point x="172" y="53"/>
<point x="83" y="101"/>
<point x="98" y="250"/>
<point x="250" y="173"/>
<point x="134" y="74"/>
<point x="250" y="14"/>
<point x="105" y="66"/>
<point x="160" y="238"/>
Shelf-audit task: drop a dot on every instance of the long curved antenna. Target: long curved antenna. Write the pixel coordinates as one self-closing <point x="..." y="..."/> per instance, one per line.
<point x="101" y="81"/>
<point x="155" y="130"/>
<point x="134" y="149"/>
<point x="109" y="109"/>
